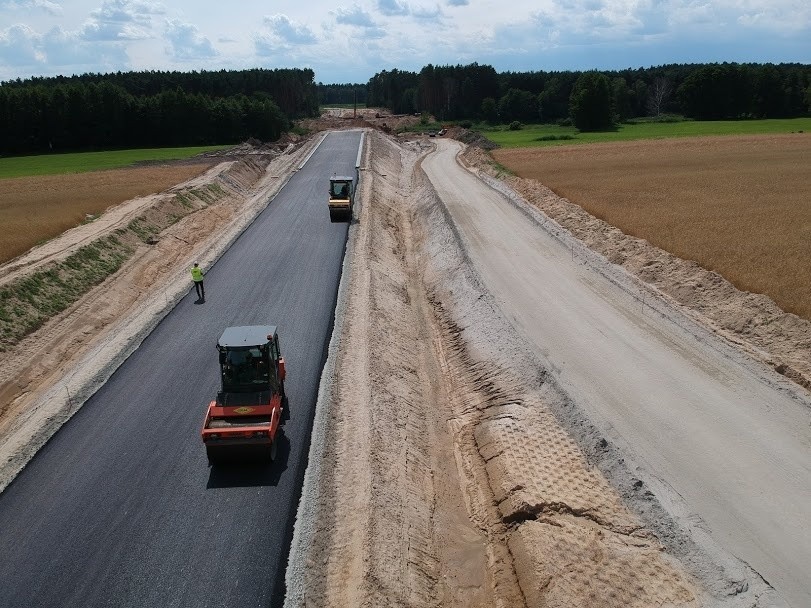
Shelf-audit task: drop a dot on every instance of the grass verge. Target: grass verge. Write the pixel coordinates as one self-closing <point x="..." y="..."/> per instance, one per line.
<point x="82" y="162"/>
<point x="552" y="135"/>
<point x="28" y="302"/>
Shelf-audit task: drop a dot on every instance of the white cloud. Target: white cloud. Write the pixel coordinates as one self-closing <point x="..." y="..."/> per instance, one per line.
<point x="290" y="31"/>
<point x="282" y="36"/>
<point x="427" y="13"/>
<point x="359" y="18"/>
<point x="57" y="52"/>
<point x="20" y="46"/>
<point x="121" y="20"/>
<point x="366" y="36"/>
<point x="392" y="8"/>
<point x="68" y="49"/>
<point x="779" y="16"/>
<point x="186" y="42"/>
<point x="52" y="8"/>
<point x="354" y="16"/>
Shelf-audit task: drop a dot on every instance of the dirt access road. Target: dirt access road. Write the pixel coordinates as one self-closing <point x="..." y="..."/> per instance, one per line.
<point x="724" y="441"/>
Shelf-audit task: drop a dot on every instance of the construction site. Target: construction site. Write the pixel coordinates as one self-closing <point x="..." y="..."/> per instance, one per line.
<point x="510" y="403"/>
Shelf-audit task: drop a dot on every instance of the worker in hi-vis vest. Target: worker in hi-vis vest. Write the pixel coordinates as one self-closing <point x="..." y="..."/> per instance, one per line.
<point x="197" y="277"/>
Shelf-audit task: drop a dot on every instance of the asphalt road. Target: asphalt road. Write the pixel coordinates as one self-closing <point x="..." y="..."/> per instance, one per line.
<point x="120" y="508"/>
<point x="720" y="439"/>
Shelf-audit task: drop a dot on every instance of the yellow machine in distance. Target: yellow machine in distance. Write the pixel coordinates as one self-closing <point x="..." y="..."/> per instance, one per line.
<point x="341" y="197"/>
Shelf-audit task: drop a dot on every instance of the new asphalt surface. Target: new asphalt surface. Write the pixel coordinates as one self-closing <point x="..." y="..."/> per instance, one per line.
<point x="120" y="507"/>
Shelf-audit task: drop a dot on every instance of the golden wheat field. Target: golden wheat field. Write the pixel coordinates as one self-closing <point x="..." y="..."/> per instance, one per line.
<point x="35" y="209"/>
<point x="739" y="205"/>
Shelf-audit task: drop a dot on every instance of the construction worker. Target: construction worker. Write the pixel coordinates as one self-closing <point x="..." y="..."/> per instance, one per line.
<point x="197" y="277"/>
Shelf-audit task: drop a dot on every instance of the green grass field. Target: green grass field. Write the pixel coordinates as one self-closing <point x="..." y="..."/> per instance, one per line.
<point x="542" y="135"/>
<point x="81" y="162"/>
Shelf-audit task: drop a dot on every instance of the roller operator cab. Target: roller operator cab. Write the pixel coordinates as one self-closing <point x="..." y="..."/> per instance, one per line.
<point x="242" y="424"/>
<point x="341" y="198"/>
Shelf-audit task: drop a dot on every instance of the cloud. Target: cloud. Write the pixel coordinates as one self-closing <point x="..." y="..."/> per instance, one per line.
<point x="359" y="18"/>
<point x="396" y="8"/>
<point x="46" y="5"/>
<point x="392" y="8"/>
<point x="282" y="36"/>
<point x="20" y="46"/>
<point x="427" y="13"/>
<point x="68" y="49"/>
<point x="290" y="31"/>
<point x="783" y="17"/>
<point x="458" y="2"/>
<point x="186" y="41"/>
<point x="121" y="20"/>
<point x="50" y="53"/>
<point x="354" y="16"/>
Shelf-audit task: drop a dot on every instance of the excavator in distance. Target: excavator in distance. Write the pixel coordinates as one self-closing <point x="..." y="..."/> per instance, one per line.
<point x="341" y="198"/>
<point x="242" y="423"/>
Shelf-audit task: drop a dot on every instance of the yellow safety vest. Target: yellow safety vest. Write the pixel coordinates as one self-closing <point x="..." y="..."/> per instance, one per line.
<point x="197" y="274"/>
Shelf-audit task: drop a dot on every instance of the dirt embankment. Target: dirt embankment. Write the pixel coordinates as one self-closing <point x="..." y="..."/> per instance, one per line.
<point x="438" y="474"/>
<point x="372" y="118"/>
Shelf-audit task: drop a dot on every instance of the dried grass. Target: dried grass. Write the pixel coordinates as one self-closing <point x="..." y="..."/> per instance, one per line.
<point x="738" y="205"/>
<point x="35" y="209"/>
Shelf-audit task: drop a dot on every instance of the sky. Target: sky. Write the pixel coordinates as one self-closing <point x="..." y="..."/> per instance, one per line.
<point x="349" y="42"/>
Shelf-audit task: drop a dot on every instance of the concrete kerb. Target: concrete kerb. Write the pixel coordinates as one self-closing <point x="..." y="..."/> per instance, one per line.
<point x="307" y="512"/>
<point x="66" y="397"/>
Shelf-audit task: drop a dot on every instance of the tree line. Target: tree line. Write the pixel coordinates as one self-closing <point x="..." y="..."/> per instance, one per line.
<point x="701" y="91"/>
<point x="151" y="109"/>
<point x="341" y="94"/>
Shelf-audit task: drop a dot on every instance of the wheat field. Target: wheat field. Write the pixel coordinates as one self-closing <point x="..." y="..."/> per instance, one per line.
<point x="35" y="209"/>
<point x="739" y="205"/>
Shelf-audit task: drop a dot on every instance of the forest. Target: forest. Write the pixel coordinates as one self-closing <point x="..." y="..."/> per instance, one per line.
<point x="156" y="109"/>
<point x="152" y="109"/>
<point x="700" y="91"/>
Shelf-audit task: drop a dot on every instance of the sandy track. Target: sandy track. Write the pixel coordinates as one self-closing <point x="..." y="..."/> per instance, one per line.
<point x="721" y="439"/>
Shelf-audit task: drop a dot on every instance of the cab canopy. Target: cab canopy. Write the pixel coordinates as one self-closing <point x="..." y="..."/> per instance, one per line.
<point x="340" y="186"/>
<point x="245" y="336"/>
